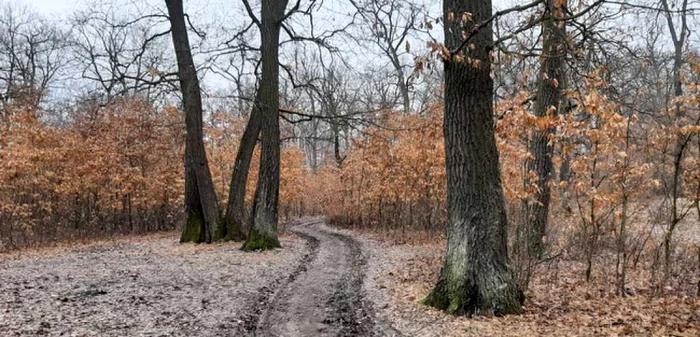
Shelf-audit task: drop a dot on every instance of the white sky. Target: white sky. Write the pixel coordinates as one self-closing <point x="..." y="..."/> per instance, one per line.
<point x="52" y="7"/>
<point x="212" y="13"/>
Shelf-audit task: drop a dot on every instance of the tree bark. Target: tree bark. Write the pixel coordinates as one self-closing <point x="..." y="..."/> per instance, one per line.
<point x="200" y="198"/>
<point x="234" y="225"/>
<point x="263" y="232"/>
<point x="475" y="277"/>
<point x="403" y="86"/>
<point x="678" y="36"/>
<point x="535" y="211"/>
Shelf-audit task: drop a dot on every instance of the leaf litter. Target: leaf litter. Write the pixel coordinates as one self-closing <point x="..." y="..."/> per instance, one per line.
<point x="154" y="286"/>
<point x="560" y="302"/>
<point x="139" y="286"/>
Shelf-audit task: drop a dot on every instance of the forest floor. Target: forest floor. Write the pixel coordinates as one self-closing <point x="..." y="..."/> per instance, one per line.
<point x="560" y="302"/>
<point x="139" y="286"/>
<point x="324" y="282"/>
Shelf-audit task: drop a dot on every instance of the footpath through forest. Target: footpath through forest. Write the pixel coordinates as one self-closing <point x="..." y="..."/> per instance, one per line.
<point x="322" y="297"/>
<point x="324" y="282"/>
<point x="154" y="286"/>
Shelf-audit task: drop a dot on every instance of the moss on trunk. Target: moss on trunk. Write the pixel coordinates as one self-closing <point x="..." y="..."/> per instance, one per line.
<point x="437" y="298"/>
<point x="221" y="233"/>
<point x="260" y="241"/>
<point x="194" y="230"/>
<point x="234" y="230"/>
<point x="228" y="230"/>
<point x="469" y="298"/>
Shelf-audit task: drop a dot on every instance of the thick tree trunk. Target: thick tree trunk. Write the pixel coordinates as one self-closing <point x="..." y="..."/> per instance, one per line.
<point x="263" y="232"/>
<point x="234" y="225"/>
<point x="535" y="211"/>
<point x="200" y="198"/>
<point x="475" y="277"/>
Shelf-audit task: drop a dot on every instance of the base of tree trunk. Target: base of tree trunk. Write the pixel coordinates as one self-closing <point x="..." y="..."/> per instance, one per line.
<point x="528" y="246"/>
<point x="221" y="231"/>
<point x="194" y="230"/>
<point x="234" y="231"/>
<point x="260" y="241"/>
<point x="472" y="298"/>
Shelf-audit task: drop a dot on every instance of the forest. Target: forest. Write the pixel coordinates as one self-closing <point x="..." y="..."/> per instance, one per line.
<point x="350" y="168"/>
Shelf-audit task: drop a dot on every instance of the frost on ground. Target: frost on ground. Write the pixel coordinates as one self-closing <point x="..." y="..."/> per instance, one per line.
<point x="146" y="286"/>
<point x="325" y="282"/>
<point x="560" y="302"/>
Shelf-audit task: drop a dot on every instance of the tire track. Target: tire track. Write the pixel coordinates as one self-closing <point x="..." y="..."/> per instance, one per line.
<point x="260" y="305"/>
<point x="350" y="311"/>
<point x="323" y="296"/>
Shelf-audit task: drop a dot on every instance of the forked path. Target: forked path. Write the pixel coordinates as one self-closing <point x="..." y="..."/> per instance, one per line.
<point x="322" y="297"/>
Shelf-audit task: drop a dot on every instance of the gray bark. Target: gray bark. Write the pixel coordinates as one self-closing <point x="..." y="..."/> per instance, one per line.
<point x="200" y="198"/>
<point x="679" y="39"/>
<point x="265" y="217"/>
<point x="475" y="277"/>
<point x="234" y="220"/>
<point x="534" y="212"/>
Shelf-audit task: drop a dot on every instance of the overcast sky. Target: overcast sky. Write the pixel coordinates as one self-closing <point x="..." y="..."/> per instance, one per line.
<point x="212" y="15"/>
<point x="51" y="7"/>
<point x="219" y="18"/>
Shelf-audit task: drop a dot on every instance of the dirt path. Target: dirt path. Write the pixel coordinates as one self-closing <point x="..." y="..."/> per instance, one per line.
<point x="154" y="286"/>
<point x="322" y="297"/>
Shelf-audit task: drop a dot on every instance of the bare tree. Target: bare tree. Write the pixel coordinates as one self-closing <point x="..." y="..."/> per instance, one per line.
<point x="32" y="53"/>
<point x="123" y="55"/>
<point x="336" y="100"/>
<point x="239" y="55"/>
<point x="265" y="215"/>
<point x="534" y="212"/>
<point x="200" y="198"/>
<point x="679" y="33"/>
<point x="234" y="219"/>
<point x="390" y="24"/>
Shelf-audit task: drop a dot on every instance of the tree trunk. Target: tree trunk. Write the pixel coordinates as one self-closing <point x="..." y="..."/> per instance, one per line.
<point x="234" y="221"/>
<point x="549" y="93"/>
<point x="263" y="232"/>
<point x="403" y="87"/>
<point x="565" y="177"/>
<point x="678" y="154"/>
<point x="200" y="198"/>
<point x="336" y="146"/>
<point x="678" y="36"/>
<point x="475" y="277"/>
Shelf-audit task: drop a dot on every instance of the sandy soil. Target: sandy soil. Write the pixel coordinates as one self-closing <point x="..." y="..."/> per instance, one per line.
<point x="154" y="286"/>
